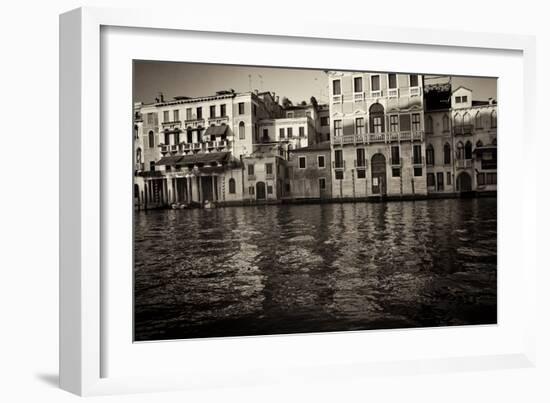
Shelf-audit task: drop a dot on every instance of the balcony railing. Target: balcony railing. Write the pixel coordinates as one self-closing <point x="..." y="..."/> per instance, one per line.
<point x="358" y="97"/>
<point x="463" y="130"/>
<point x="376" y="94"/>
<point x="268" y="176"/>
<point x="360" y="163"/>
<point x="218" y="120"/>
<point x="222" y="143"/>
<point x="414" y="91"/>
<point x="393" y="92"/>
<point x="463" y="164"/>
<point x="387" y="137"/>
<point x="337" y="99"/>
<point x="164" y="148"/>
<point x="172" y="124"/>
<point x="186" y="146"/>
<point x="195" y="122"/>
<point x="174" y="148"/>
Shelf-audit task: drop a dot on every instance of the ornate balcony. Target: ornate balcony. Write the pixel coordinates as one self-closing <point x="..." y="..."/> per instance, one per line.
<point x="194" y="122"/>
<point x="339" y="164"/>
<point x="175" y="124"/>
<point x="463" y="164"/>
<point x="414" y="91"/>
<point x="463" y="130"/>
<point x="218" y="120"/>
<point x="393" y="92"/>
<point x="387" y="137"/>
<point x="360" y="163"/>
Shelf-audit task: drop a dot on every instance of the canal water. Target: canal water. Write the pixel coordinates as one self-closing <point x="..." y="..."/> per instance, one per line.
<point x="281" y="269"/>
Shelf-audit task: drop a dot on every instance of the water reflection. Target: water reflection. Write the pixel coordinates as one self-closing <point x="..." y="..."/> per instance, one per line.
<point x="310" y="268"/>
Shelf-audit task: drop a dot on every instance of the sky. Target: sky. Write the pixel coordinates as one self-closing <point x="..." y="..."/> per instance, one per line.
<point x="194" y="79"/>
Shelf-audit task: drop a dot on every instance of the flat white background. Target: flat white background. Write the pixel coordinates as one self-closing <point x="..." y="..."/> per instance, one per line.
<point x="29" y="202"/>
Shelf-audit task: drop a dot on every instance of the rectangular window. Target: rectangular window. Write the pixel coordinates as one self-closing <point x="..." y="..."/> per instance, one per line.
<point x="166" y="117"/>
<point x="464" y="98"/>
<point x="152" y="166"/>
<point x="360" y="155"/>
<point x="361" y="174"/>
<point x="321" y="161"/>
<point x="337" y="127"/>
<point x="188" y="114"/>
<point x="302" y="162"/>
<point x="324" y="121"/>
<point x="199" y="113"/>
<point x="150" y="118"/>
<point x="339" y="175"/>
<point x="251" y="169"/>
<point x="416" y="121"/>
<point x="481" y="178"/>
<point x="290" y="115"/>
<point x="430" y="179"/>
<point x="266" y="134"/>
<point x="269" y="169"/>
<point x="413" y="80"/>
<point x="405" y="122"/>
<point x="396" y="172"/>
<point x="338" y="159"/>
<point x="418" y="171"/>
<point x="392" y="80"/>
<point x="417" y="155"/>
<point x="212" y="111"/>
<point x="457" y="100"/>
<point x="289" y="132"/>
<point x="449" y="178"/>
<point x="336" y="88"/>
<point x="302" y="131"/>
<point x="251" y="190"/>
<point x="394" y="123"/>
<point x="282" y="133"/>
<point x="322" y="184"/>
<point x="359" y="126"/>
<point x="241" y="108"/>
<point x="377" y="124"/>
<point x="254" y="109"/>
<point x="491" y="178"/>
<point x="269" y="189"/>
<point x="395" y="156"/>
<point x="440" y="181"/>
<point x="375" y="83"/>
<point x="176" y="115"/>
<point x="358" y="84"/>
<point x="223" y="111"/>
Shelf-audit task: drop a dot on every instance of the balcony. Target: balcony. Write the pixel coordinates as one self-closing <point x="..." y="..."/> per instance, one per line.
<point x="174" y="148"/>
<point x="218" y="120"/>
<point x="377" y="137"/>
<point x="358" y="97"/>
<point x="210" y="144"/>
<point x="463" y="164"/>
<point x="393" y="92"/>
<point x="222" y="144"/>
<point x="251" y="177"/>
<point x="196" y="146"/>
<point x="269" y="176"/>
<point x="414" y="91"/>
<point x="194" y="122"/>
<point x="164" y="148"/>
<point x="388" y="137"/>
<point x="175" y="124"/>
<point x="186" y="146"/>
<point x="360" y="163"/>
<point x="376" y="94"/>
<point x="463" y="130"/>
<point x="337" y="99"/>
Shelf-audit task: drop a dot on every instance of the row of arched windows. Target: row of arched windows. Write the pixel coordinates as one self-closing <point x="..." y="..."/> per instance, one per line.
<point x="461" y="120"/>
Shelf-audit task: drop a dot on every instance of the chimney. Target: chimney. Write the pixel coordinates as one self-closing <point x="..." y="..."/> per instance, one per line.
<point x="161" y="97"/>
<point x="277" y="99"/>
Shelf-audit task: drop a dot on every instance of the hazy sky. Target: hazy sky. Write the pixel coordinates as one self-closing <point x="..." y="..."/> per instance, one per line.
<point x="190" y="79"/>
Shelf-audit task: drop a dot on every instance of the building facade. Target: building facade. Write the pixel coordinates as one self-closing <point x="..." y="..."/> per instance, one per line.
<point x="377" y="135"/>
<point x="310" y="172"/>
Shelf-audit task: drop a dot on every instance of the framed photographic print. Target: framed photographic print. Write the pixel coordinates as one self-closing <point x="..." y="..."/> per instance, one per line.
<point x="232" y="217"/>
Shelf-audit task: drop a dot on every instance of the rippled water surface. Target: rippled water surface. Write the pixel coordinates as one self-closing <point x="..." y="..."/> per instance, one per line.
<point x="311" y="268"/>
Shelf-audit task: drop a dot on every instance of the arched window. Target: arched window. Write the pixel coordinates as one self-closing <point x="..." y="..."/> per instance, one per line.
<point x="446" y="123"/>
<point x="151" y="139"/>
<point x="479" y="122"/>
<point x="429" y="125"/>
<point x="460" y="151"/>
<point x="429" y="155"/>
<point x="446" y="154"/>
<point x="468" y="151"/>
<point x="138" y="156"/>
<point x="458" y="120"/>
<point x="376" y="118"/>
<point x="494" y="119"/>
<point x="232" y="186"/>
<point x="241" y="131"/>
<point x="466" y="118"/>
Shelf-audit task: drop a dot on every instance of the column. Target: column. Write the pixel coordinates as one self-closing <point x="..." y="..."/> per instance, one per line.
<point x="214" y="198"/>
<point x="200" y="189"/>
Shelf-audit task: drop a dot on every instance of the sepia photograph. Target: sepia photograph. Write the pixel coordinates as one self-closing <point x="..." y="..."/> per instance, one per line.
<point x="274" y="200"/>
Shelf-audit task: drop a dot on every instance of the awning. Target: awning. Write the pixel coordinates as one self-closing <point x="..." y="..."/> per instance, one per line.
<point x="204" y="158"/>
<point x="170" y="160"/>
<point x="216" y="130"/>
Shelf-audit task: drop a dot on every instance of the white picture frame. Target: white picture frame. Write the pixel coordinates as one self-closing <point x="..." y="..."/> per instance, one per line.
<point x="85" y="344"/>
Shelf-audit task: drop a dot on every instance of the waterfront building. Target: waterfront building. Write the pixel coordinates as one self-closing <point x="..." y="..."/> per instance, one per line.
<point x="310" y="172"/>
<point x="377" y="135"/>
<point x="461" y="141"/>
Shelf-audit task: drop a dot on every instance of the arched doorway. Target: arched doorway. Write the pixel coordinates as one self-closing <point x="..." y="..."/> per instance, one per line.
<point x="464" y="182"/>
<point x="378" y="169"/>
<point x="260" y="191"/>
